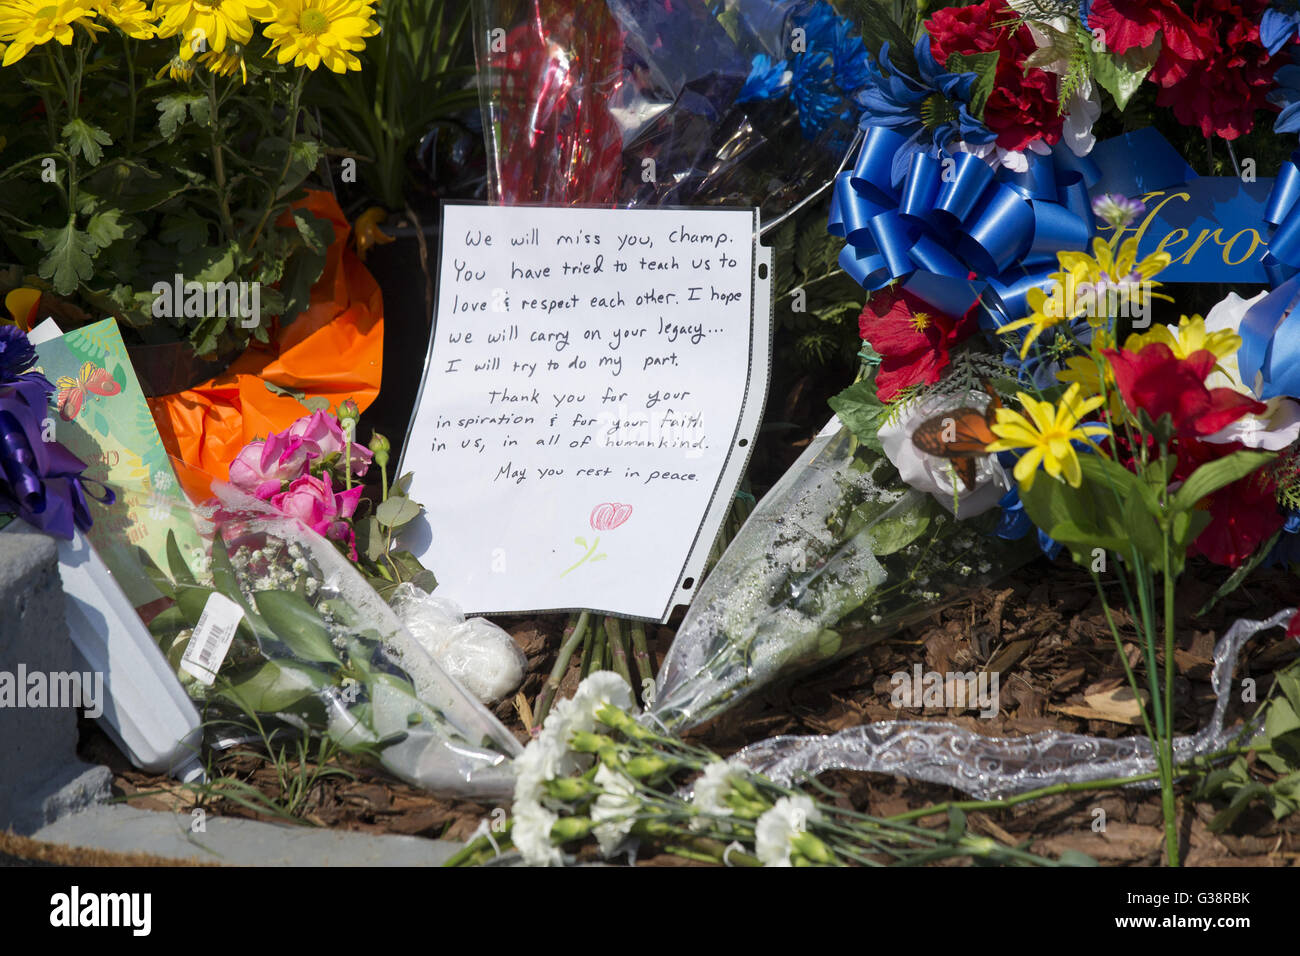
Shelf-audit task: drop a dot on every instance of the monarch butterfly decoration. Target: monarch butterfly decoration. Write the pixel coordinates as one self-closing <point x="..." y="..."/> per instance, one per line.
<point x="960" y="436"/>
<point x="72" y="392"/>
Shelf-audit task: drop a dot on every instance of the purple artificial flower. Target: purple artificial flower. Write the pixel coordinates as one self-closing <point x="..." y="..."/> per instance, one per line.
<point x="17" y="354"/>
<point x="1117" y="210"/>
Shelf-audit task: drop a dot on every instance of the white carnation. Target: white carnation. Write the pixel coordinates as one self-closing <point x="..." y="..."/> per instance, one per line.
<point x="614" y="811"/>
<point x="531" y="834"/>
<point x="779" y="826"/>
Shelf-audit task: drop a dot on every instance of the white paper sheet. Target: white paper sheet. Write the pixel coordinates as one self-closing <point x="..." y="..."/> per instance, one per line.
<point x="595" y="381"/>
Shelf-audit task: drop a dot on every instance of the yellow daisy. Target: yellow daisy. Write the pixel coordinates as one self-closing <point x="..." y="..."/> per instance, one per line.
<point x="31" y="23"/>
<point x="1190" y="337"/>
<point x="227" y="62"/>
<point x="209" y="24"/>
<point x="312" y="32"/>
<point x="1047" y="434"/>
<point x="132" y="17"/>
<point x="178" y="68"/>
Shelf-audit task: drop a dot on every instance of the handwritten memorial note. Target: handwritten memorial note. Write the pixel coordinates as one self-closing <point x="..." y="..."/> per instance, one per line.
<point x="595" y="379"/>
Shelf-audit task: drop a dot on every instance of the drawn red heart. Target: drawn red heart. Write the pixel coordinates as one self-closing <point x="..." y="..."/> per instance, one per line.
<point x="609" y="515"/>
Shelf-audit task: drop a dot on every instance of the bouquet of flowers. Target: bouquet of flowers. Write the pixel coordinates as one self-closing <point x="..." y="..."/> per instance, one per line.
<point x="1003" y="338"/>
<point x="594" y="772"/>
<point x="658" y="103"/>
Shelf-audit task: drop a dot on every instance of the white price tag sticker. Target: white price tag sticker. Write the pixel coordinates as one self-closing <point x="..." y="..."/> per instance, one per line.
<point x="211" y="638"/>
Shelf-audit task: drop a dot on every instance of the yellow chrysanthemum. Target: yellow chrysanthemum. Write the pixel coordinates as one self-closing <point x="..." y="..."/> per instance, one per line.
<point x="1047" y="435"/>
<point x="226" y="63"/>
<point x="312" y="32"/>
<point x="179" y="69"/>
<point x="205" y="25"/>
<point x="30" y="23"/>
<point x="132" y="17"/>
<point x="1190" y="337"/>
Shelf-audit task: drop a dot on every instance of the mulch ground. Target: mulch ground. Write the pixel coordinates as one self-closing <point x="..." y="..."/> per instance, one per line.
<point x="1043" y="630"/>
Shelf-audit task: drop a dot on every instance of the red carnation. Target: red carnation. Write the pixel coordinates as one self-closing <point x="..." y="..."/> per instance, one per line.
<point x="1212" y="69"/>
<point x="912" y="340"/>
<point x="1023" y="106"/>
<point x="1126" y="24"/>
<point x="1156" y="380"/>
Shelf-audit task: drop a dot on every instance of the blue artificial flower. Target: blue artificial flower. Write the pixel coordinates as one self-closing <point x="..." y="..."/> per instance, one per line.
<point x="819" y="26"/>
<point x="814" y="93"/>
<point x="766" y="80"/>
<point x="17" y="354"/>
<point x="852" y="64"/>
<point x="1015" y="523"/>
<point x="1287" y="549"/>
<point x="1287" y="96"/>
<point x="1049" y="353"/>
<point x="1279" y="25"/>
<point x="932" y="110"/>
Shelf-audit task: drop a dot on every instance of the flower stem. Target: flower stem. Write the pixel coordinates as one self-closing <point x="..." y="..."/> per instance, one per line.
<point x="645" y="669"/>
<point x="572" y="638"/>
<point x="618" y="649"/>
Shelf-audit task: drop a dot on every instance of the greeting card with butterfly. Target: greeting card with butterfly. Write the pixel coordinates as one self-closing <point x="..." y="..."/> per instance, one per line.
<point x="98" y="411"/>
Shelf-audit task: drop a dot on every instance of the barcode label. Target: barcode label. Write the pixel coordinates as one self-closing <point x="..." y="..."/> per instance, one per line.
<point x="211" y="638"/>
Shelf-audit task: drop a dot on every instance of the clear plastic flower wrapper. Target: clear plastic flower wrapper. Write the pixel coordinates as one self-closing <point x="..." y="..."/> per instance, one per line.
<point x="653" y="103"/>
<point x="266" y="619"/>
<point x="841" y="553"/>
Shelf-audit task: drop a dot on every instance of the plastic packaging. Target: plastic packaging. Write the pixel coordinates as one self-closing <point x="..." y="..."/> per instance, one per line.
<point x="990" y="768"/>
<point x="284" y="627"/>
<point x="656" y="103"/>
<point x="840" y="554"/>
<point x="146" y="713"/>
<point x="483" y="657"/>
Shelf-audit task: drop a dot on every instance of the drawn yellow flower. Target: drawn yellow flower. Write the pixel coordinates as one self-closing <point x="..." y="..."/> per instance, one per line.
<point x="132" y="17"/>
<point x="312" y="32"/>
<point x="1048" y="434"/>
<point x="205" y="25"/>
<point x="25" y="24"/>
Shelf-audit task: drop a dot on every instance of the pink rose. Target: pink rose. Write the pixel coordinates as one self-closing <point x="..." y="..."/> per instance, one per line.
<point x="313" y="502"/>
<point x="323" y="431"/>
<point x="262" y="466"/>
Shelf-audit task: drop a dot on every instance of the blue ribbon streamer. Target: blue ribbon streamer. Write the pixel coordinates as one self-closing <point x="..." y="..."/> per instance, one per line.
<point x="1269" y="357"/>
<point x="956" y="232"/>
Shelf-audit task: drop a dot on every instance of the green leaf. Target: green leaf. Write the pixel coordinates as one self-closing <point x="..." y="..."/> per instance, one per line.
<point x="87" y="140"/>
<point x="180" y="571"/>
<point x="186" y="233"/>
<point x="1239" y="575"/>
<point x="984" y="66"/>
<point x="317" y="233"/>
<point x="1288" y="681"/>
<point x="1212" y="476"/>
<point x="171" y="113"/>
<point x="105" y="228"/>
<point x="1280" y="720"/>
<point x="877" y="26"/>
<point x="1076" y="858"/>
<point x="1143" y="531"/>
<point x="396" y="512"/>
<point x="862" y="413"/>
<point x="275" y="686"/>
<point x="69" y="260"/>
<point x="1090" y="516"/>
<point x="1121" y="75"/>
<point x="297" y="625"/>
<point x="895" y="530"/>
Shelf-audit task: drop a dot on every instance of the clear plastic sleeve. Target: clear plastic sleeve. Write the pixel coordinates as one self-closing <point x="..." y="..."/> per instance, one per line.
<point x="285" y="628"/>
<point x="656" y="103"/>
<point x="840" y="554"/>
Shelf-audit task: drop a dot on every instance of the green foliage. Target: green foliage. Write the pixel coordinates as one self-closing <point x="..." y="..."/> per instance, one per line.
<point x="147" y="176"/>
<point x="815" y="302"/>
<point x="422" y="76"/>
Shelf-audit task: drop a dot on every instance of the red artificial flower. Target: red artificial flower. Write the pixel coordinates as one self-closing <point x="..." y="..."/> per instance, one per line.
<point x="1212" y="69"/>
<point x="1023" y="106"/>
<point x="1293" y="629"/>
<point x="1126" y="24"/>
<point x="1156" y="380"/>
<point x="1243" y="515"/>
<point x="913" y="340"/>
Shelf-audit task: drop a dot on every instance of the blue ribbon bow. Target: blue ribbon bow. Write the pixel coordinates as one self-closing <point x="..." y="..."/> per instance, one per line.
<point x="956" y="231"/>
